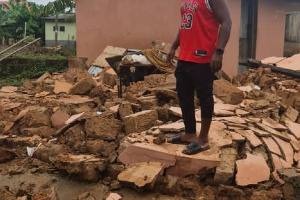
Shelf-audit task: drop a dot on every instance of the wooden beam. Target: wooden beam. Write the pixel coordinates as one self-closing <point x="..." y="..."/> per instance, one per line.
<point x="34" y="41"/>
<point x="14" y="45"/>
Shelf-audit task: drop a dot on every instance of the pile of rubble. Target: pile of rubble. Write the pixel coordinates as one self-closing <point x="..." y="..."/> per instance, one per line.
<point x="76" y="123"/>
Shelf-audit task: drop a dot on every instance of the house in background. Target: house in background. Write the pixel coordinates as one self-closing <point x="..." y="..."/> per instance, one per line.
<point x="66" y="30"/>
<point x="258" y="31"/>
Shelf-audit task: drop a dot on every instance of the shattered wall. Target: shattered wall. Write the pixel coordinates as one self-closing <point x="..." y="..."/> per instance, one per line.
<point x="135" y="23"/>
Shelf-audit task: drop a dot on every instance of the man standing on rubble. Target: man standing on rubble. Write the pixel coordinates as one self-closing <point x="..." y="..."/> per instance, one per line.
<point x="202" y="37"/>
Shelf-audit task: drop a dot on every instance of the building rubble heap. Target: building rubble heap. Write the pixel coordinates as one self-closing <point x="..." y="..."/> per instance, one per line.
<point x="77" y="125"/>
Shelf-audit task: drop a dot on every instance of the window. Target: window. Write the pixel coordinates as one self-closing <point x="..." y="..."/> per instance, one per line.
<point x="62" y="28"/>
<point x="53" y="28"/>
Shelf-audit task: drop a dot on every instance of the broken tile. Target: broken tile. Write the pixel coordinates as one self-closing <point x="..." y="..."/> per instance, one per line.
<point x="277" y="178"/>
<point x="294" y="142"/>
<point x="240" y="112"/>
<point x="41" y="94"/>
<point x="281" y="135"/>
<point x="173" y="127"/>
<point x="21" y="114"/>
<point x="259" y="132"/>
<point x="74" y="118"/>
<point x="279" y="163"/>
<point x="114" y="196"/>
<point x="251" y="137"/>
<point x="293" y="128"/>
<point x="273" y="124"/>
<point x="237" y="137"/>
<point x="62" y="87"/>
<point x="287" y="149"/>
<point x="114" y="109"/>
<point x="236" y="120"/>
<point x="252" y="170"/>
<point x="175" y="111"/>
<point x="271" y="145"/>
<point x="11" y="106"/>
<point x="141" y="175"/>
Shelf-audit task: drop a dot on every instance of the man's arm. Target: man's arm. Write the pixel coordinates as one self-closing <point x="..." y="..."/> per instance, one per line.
<point x="221" y="12"/>
<point x="173" y="49"/>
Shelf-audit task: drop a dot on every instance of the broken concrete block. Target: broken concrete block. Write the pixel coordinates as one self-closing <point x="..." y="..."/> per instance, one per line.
<point x="252" y="170"/>
<point x="46" y="152"/>
<point x="113" y="170"/>
<point x="62" y="87"/>
<point x="59" y="118"/>
<point x="103" y="128"/>
<point x="101" y="147"/>
<point x="225" y="171"/>
<point x="6" y="155"/>
<point x="83" y="86"/>
<point x="237" y="137"/>
<point x="43" y="77"/>
<point x="148" y="103"/>
<point x="110" y="77"/>
<point x="291" y="189"/>
<point x="35" y="118"/>
<point x="260" y="104"/>
<point x="166" y="96"/>
<point x="141" y="175"/>
<point x="8" y="89"/>
<point x="140" y="121"/>
<point x="125" y="109"/>
<point x="155" y="80"/>
<point x="42" y="131"/>
<point x="293" y="128"/>
<point x="290" y="114"/>
<point x="259" y="132"/>
<point x="86" y="167"/>
<point x="6" y="194"/>
<point x="227" y="92"/>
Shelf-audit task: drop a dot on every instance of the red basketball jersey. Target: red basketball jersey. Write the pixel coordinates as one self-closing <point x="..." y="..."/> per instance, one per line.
<point x="199" y="31"/>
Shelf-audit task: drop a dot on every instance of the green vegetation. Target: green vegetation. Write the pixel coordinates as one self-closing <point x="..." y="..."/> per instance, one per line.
<point x="15" y="71"/>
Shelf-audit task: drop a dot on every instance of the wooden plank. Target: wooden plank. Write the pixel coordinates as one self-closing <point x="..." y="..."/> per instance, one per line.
<point x="34" y="41"/>
<point x="14" y="45"/>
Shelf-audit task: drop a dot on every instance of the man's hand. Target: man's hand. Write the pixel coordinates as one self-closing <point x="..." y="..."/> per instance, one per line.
<point x="216" y="62"/>
<point x="170" y="57"/>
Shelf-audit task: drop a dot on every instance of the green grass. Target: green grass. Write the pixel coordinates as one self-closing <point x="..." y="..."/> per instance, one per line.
<point x="26" y="55"/>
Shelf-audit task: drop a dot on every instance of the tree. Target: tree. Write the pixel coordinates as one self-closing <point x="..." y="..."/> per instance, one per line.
<point x="13" y="19"/>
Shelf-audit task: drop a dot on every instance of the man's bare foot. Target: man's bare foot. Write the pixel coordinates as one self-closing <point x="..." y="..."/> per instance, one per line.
<point x="202" y="141"/>
<point x="188" y="137"/>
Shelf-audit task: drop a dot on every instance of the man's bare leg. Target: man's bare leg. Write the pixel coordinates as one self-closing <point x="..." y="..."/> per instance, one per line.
<point x="202" y="139"/>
